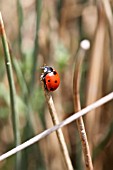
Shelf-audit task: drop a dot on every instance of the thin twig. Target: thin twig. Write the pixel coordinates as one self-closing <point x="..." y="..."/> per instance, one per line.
<point x="59" y="132"/>
<point x="77" y="106"/>
<point x="15" y="118"/>
<point x="65" y="122"/>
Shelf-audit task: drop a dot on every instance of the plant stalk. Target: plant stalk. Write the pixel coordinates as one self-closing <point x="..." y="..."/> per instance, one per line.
<point x="59" y="132"/>
<point x="15" y="118"/>
<point x="77" y="106"/>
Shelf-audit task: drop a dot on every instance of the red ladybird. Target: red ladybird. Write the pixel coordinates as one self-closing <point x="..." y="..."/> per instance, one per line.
<point x="50" y="78"/>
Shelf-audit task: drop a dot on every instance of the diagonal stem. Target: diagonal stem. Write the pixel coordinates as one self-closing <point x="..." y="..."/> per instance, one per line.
<point x="65" y="122"/>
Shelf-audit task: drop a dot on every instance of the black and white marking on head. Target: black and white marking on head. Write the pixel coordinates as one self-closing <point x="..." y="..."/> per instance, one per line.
<point x="48" y="69"/>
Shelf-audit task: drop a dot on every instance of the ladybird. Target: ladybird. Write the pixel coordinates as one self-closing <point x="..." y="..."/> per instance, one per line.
<point x="50" y="77"/>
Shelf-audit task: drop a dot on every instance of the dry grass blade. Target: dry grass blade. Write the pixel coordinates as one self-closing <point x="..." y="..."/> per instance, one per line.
<point x="94" y="84"/>
<point x="77" y="106"/>
<point x="109" y="16"/>
<point x="108" y="12"/>
<point x="59" y="132"/>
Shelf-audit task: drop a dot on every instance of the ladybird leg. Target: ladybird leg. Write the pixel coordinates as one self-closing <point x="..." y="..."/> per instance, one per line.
<point x="45" y="86"/>
<point x="42" y="77"/>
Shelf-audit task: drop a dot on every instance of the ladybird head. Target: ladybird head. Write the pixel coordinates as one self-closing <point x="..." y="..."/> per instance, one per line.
<point x="47" y="69"/>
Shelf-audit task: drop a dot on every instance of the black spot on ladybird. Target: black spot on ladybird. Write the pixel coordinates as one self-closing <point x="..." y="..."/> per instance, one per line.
<point x="51" y="89"/>
<point x="54" y="72"/>
<point x="48" y="80"/>
<point x="55" y="81"/>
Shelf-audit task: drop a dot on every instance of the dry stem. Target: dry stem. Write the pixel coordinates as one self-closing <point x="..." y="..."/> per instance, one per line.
<point x="59" y="132"/>
<point x="77" y="106"/>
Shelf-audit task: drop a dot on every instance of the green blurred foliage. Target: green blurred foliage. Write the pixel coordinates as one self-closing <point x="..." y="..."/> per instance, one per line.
<point x="62" y="56"/>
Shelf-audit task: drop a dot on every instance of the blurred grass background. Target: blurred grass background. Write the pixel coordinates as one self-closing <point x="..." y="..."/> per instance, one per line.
<point x="49" y="32"/>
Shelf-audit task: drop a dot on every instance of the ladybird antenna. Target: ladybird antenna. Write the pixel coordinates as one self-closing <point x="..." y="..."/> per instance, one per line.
<point x="42" y="68"/>
<point x="44" y="65"/>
